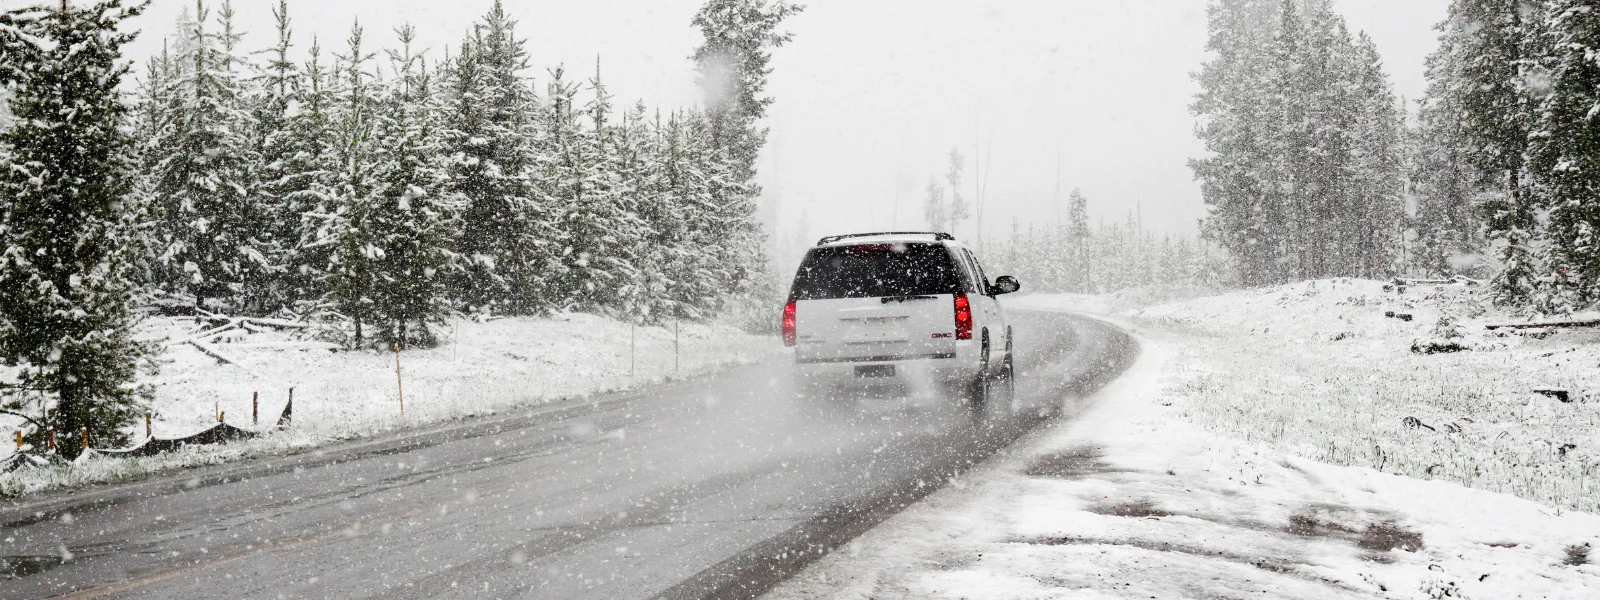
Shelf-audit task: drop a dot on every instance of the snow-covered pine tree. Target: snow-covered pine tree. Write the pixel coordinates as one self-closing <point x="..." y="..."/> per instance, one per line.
<point x="959" y="211"/>
<point x="354" y="245"/>
<point x="1566" y="150"/>
<point x="154" y="97"/>
<point x="677" y="265"/>
<point x="1489" y="46"/>
<point x="395" y="241"/>
<point x="641" y="166"/>
<point x="289" y="134"/>
<point x="492" y="135"/>
<point x="732" y="63"/>
<point x="309" y="163"/>
<point x="67" y="292"/>
<point x="1078" y="275"/>
<point x="1374" y="209"/>
<point x="738" y="246"/>
<point x="934" y="208"/>
<point x="1443" y="184"/>
<point x="1237" y="124"/>
<point x="1291" y="189"/>
<point x="208" y="219"/>
<point x="600" y="228"/>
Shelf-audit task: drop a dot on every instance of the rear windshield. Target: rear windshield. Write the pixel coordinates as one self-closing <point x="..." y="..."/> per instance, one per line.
<point x="870" y="271"/>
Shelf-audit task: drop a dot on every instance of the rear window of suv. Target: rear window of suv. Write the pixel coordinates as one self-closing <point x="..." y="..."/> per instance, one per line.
<point x="876" y="270"/>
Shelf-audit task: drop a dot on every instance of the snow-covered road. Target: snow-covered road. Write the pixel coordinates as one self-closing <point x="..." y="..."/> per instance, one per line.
<point x="715" y="487"/>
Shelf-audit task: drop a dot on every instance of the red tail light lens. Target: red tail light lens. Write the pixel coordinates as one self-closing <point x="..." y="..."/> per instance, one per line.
<point x="963" y="318"/>
<point x="788" y="324"/>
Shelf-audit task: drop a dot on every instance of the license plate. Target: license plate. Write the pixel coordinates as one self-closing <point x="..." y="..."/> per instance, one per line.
<point x="875" y="371"/>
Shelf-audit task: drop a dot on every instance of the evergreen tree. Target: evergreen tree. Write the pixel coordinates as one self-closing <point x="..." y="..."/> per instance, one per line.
<point x="394" y="251"/>
<point x="1443" y="183"/>
<point x="289" y="134"/>
<point x="307" y="164"/>
<point x="1490" y="56"/>
<point x="67" y="288"/>
<point x="506" y="239"/>
<point x="934" y="208"/>
<point x="1078" y="275"/>
<point x="732" y="63"/>
<point x="355" y="245"/>
<point x="1373" y="209"/>
<point x="959" y="211"/>
<point x="739" y="36"/>
<point x="598" y="222"/>
<point x="1235" y="123"/>
<point x="213" y="247"/>
<point x="1566" y="150"/>
<point x="1303" y="180"/>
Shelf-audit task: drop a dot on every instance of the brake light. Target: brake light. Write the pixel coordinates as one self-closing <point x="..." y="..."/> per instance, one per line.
<point x="963" y="318"/>
<point x="788" y="324"/>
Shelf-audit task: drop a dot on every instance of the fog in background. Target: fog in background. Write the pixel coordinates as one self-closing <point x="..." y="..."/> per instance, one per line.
<point x="872" y="94"/>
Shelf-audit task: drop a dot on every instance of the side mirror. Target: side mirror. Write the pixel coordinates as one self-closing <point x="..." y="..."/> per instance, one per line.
<point x="1005" y="284"/>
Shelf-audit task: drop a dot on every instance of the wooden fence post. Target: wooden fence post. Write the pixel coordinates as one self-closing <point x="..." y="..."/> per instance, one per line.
<point x="399" y="384"/>
<point x="51" y="444"/>
<point x="255" y="408"/>
<point x="19" y="440"/>
<point x="85" y="439"/>
<point x="147" y="424"/>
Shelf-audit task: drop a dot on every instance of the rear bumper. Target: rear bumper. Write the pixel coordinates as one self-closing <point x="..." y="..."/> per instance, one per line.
<point x="942" y="369"/>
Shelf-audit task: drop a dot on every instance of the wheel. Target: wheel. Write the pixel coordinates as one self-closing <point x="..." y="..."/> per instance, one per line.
<point x="1008" y="370"/>
<point x="981" y="388"/>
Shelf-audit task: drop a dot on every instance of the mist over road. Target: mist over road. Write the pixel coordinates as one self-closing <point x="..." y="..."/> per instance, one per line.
<point x="715" y="487"/>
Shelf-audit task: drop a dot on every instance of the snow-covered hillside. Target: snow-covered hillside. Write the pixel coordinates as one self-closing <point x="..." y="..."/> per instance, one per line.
<point x="479" y="368"/>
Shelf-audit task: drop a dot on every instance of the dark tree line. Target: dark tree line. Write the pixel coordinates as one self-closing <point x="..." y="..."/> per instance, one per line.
<point x="378" y="190"/>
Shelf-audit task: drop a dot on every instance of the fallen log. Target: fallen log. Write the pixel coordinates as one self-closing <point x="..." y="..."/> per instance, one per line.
<point x="217" y="354"/>
<point x="257" y="321"/>
<point x="202" y="336"/>
<point x="1553" y="324"/>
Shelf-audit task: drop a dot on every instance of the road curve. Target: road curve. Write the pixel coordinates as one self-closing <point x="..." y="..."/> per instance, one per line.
<point x="712" y="488"/>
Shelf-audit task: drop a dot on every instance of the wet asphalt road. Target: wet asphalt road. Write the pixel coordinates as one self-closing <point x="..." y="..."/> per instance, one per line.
<point x="715" y="487"/>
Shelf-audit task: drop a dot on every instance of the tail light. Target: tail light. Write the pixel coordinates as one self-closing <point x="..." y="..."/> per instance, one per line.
<point x="788" y="324"/>
<point x="963" y="318"/>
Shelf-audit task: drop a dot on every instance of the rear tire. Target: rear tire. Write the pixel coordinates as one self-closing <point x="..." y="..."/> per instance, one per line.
<point x="981" y="388"/>
<point x="1009" y="370"/>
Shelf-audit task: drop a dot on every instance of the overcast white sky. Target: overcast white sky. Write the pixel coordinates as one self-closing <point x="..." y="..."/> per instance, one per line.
<point x="872" y="94"/>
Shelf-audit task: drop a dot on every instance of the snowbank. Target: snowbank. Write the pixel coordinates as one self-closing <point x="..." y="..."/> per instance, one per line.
<point x="1130" y="500"/>
<point x="479" y="368"/>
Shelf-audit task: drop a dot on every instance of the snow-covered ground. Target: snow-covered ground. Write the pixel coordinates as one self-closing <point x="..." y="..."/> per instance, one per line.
<point x="1205" y="471"/>
<point x="1318" y="370"/>
<point x="479" y="368"/>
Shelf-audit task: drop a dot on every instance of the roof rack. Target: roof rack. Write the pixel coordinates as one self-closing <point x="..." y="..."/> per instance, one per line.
<point x="937" y="235"/>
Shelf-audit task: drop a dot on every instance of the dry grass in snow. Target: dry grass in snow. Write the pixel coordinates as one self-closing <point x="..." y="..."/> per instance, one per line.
<point x="1317" y="369"/>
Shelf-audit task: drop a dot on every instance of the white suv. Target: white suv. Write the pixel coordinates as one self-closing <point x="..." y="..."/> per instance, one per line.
<point x="906" y="308"/>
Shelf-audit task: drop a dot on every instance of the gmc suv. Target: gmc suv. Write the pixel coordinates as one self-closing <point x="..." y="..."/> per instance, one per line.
<point x="907" y="308"/>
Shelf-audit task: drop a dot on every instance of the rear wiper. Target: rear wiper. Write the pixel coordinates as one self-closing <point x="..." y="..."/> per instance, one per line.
<point x="888" y="299"/>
